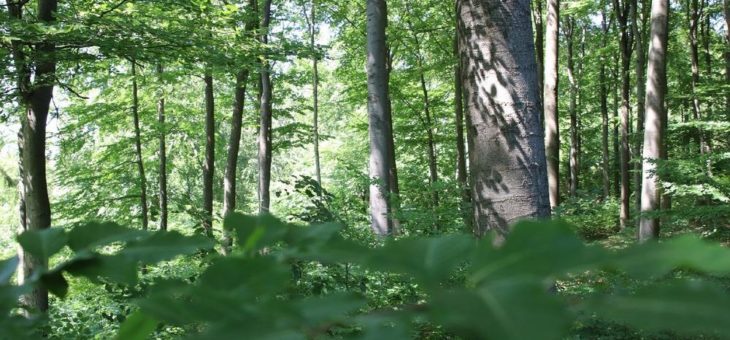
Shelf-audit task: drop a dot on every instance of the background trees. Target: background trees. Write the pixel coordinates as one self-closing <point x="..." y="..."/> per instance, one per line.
<point x="130" y="101"/>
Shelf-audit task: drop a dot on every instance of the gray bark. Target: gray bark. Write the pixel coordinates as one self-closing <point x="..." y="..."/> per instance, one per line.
<point x="638" y="27"/>
<point x="550" y="100"/>
<point x="378" y="117"/>
<point x="572" y="110"/>
<point x="604" y="112"/>
<point x="623" y="10"/>
<point x="656" y="86"/>
<point x="265" y="119"/>
<point x="315" y="94"/>
<point x="507" y="151"/>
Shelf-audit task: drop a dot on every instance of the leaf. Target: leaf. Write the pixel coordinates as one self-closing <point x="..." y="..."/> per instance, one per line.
<point x="96" y="234"/>
<point x="137" y="326"/>
<point x="535" y="249"/>
<point x="165" y="245"/>
<point x="317" y="311"/>
<point x="55" y="283"/>
<point x="260" y="276"/>
<point x="429" y="260"/>
<point x="254" y="233"/>
<point x="508" y="309"/>
<point x="659" y="258"/>
<point x="42" y="244"/>
<point x="7" y="269"/>
<point x="115" y="268"/>
<point x="684" y="306"/>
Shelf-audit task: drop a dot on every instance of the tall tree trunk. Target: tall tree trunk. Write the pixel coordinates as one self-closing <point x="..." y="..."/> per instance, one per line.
<point x="428" y="122"/>
<point x="163" y="151"/>
<point x="265" y="117"/>
<point x="209" y="166"/>
<point x="502" y="116"/>
<point x="315" y="93"/>
<point x="550" y="100"/>
<point x="726" y="12"/>
<point x="539" y="50"/>
<point x="656" y="86"/>
<point x="638" y="27"/>
<point x="393" y="185"/>
<point x="573" y="161"/>
<point x="695" y="13"/>
<point x="35" y="76"/>
<point x="615" y="123"/>
<point x="604" y="111"/>
<point x="234" y="139"/>
<point x="461" y="173"/>
<point x="379" y="119"/>
<point x="623" y="10"/>
<point x="138" y="149"/>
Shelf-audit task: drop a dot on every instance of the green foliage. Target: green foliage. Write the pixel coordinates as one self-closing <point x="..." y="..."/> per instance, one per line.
<point x="463" y="287"/>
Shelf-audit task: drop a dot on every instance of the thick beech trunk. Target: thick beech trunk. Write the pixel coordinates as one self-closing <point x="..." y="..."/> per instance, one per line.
<point x="550" y="100"/>
<point x="507" y="150"/>
<point x="656" y="86"/>
<point x="379" y="118"/>
<point x="35" y="76"/>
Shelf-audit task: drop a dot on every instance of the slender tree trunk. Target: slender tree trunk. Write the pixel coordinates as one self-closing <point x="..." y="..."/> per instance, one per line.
<point x="461" y="172"/>
<point x="315" y="94"/>
<point x="163" y="151"/>
<point x="503" y="116"/>
<point x="695" y="13"/>
<point x="432" y="162"/>
<point x="615" y="123"/>
<point x="378" y="117"/>
<point x="393" y="186"/>
<point x="138" y="149"/>
<point x="265" y="118"/>
<point x="209" y="166"/>
<point x="656" y="86"/>
<point x="726" y="12"/>
<point x="623" y="10"/>
<point x="35" y="76"/>
<point x="604" y="111"/>
<point x="573" y="161"/>
<point x="550" y="96"/>
<point x="539" y="50"/>
<point x="638" y="27"/>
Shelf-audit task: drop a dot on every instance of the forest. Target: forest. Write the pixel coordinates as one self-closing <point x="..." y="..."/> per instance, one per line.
<point x="364" y="169"/>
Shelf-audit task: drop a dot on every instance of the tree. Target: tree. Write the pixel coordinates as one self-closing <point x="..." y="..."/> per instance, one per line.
<point x="312" y="23"/>
<point x="209" y="165"/>
<point x="35" y="71"/>
<point x="550" y="100"/>
<point x="379" y="118"/>
<point x="605" y="167"/>
<point x="622" y="11"/>
<point x="265" y="111"/>
<point x="507" y="155"/>
<point x="138" y="149"/>
<point x="656" y="86"/>
<point x="572" y="110"/>
<point x="461" y="156"/>
<point x="163" y="151"/>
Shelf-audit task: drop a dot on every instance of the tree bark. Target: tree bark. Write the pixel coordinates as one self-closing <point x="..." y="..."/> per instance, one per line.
<point x="695" y="13"/>
<point x="550" y="100"/>
<point x="264" y="140"/>
<point x="209" y="166"/>
<point x="656" y="86"/>
<point x="539" y="50"/>
<point x="163" y="151"/>
<point x="638" y="27"/>
<point x="615" y="123"/>
<point x="315" y="94"/>
<point x="623" y="10"/>
<point x="461" y="173"/>
<point x="726" y="12"/>
<point x="379" y="118"/>
<point x="507" y="157"/>
<point x="138" y="149"/>
<point x="573" y="159"/>
<point x="604" y="111"/>
<point x="35" y="76"/>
